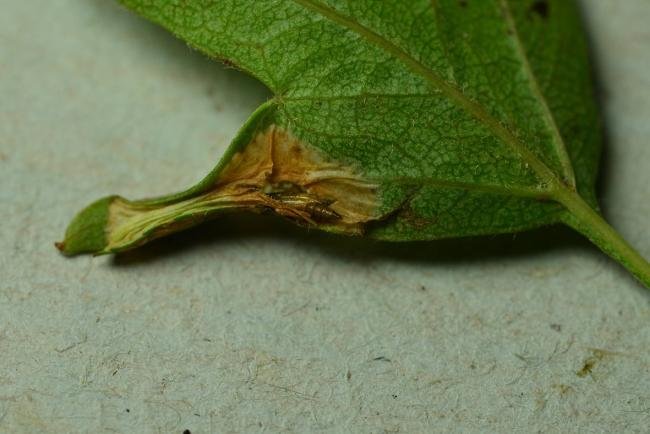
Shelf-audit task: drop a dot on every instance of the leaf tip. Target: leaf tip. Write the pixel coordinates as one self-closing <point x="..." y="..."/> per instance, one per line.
<point x="87" y="231"/>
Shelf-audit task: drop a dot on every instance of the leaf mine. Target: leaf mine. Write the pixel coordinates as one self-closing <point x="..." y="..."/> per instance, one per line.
<point x="275" y="172"/>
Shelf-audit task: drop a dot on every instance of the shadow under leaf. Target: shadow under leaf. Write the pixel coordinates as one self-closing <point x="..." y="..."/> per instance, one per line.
<point x="232" y="229"/>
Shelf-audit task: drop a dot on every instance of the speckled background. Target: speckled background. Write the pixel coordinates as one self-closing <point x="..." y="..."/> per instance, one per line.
<point x="251" y="325"/>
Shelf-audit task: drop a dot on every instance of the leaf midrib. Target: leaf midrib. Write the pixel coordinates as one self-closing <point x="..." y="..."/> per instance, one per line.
<point x="548" y="178"/>
<point x="510" y="190"/>
<point x="549" y="118"/>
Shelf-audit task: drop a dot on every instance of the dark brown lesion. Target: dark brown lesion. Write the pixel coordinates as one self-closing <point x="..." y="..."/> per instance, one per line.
<point x="303" y="208"/>
<point x="292" y="201"/>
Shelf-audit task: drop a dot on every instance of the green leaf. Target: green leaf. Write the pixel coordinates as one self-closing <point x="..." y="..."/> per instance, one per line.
<point x="391" y="119"/>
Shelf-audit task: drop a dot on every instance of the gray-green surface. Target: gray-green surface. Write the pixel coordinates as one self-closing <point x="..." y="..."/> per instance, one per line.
<point x="250" y="325"/>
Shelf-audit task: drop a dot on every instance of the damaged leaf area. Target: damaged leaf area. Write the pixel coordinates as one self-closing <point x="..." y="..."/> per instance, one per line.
<point x="393" y="120"/>
<point x="273" y="172"/>
<point x="297" y="181"/>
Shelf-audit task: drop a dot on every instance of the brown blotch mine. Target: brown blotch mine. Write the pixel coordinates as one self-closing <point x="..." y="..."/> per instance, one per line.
<point x="278" y="171"/>
<point x="275" y="171"/>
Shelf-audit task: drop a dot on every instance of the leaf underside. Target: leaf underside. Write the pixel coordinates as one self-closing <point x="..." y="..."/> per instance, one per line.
<point x="464" y="115"/>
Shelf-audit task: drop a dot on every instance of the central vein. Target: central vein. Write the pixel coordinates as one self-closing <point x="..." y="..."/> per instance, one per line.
<point x="549" y="119"/>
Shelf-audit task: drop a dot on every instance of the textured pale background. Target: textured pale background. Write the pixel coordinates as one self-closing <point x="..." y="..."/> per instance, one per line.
<point x="250" y="325"/>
